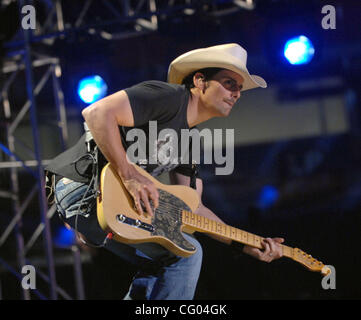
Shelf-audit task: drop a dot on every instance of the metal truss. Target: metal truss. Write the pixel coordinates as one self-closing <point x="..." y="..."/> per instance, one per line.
<point x="118" y="19"/>
<point x="51" y="72"/>
<point x="26" y="63"/>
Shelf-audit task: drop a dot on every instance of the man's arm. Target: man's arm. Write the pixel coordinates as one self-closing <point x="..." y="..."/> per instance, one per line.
<point x="103" y="118"/>
<point x="272" y="249"/>
<point x="177" y="178"/>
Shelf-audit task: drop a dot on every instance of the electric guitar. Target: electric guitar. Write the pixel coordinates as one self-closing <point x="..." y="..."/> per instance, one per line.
<point x="174" y="215"/>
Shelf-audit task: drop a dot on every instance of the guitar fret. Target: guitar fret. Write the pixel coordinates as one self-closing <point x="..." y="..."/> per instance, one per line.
<point x="206" y="224"/>
<point x="238" y="235"/>
<point x="234" y="231"/>
<point x="244" y="236"/>
<point x="257" y="241"/>
<point x="229" y="231"/>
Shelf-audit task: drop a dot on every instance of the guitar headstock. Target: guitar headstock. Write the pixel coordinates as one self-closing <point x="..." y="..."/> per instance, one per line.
<point x="309" y="262"/>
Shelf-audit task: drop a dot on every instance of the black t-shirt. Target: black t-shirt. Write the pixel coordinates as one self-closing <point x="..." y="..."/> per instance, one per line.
<point x="160" y="114"/>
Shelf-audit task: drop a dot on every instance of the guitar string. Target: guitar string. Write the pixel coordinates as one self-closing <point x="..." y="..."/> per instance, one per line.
<point x="170" y="207"/>
<point x="166" y="206"/>
<point x="177" y="217"/>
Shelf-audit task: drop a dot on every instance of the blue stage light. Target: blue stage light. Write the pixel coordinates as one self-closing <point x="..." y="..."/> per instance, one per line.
<point x="64" y="237"/>
<point x="299" y="50"/>
<point x="91" y="89"/>
<point x="268" y="196"/>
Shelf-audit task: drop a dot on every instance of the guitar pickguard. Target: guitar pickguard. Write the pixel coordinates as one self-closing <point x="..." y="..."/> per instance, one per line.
<point x="167" y="220"/>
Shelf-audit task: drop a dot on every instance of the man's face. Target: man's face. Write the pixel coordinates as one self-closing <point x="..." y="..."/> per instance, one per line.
<point x="222" y="91"/>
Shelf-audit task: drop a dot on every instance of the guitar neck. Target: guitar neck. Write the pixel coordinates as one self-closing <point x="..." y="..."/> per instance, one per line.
<point x="199" y="223"/>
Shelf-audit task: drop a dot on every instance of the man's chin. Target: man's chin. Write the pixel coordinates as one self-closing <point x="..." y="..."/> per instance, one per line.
<point x="226" y="113"/>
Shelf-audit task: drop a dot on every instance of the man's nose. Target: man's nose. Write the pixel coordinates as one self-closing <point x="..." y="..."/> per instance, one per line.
<point x="236" y="94"/>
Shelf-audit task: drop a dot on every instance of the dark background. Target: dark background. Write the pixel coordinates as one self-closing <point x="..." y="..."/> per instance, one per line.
<point x="318" y="204"/>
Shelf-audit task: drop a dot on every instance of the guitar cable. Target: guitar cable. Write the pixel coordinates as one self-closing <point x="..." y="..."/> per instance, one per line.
<point x="95" y="193"/>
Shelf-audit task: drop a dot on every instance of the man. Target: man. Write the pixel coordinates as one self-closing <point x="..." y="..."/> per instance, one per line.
<point x="202" y="84"/>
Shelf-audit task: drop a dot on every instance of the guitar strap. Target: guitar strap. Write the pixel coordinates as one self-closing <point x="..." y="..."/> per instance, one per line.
<point x="193" y="177"/>
<point x="92" y="149"/>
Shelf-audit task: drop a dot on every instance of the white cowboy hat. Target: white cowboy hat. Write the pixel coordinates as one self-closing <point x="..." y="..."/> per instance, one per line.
<point x="229" y="56"/>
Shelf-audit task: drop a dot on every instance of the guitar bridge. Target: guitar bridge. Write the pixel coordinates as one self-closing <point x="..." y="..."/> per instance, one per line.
<point x="134" y="223"/>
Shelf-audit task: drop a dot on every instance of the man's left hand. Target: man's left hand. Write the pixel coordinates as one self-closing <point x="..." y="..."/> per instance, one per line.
<point x="272" y="250"/>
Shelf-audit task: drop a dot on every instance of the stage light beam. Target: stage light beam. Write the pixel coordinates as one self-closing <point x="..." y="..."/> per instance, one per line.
<point x="299" y="50"/>
<point x="92" y="88"/>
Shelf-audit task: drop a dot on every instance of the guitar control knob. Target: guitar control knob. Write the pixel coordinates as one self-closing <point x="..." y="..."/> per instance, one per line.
<point x="138" y="223"/>
<point x="120" y="218"/>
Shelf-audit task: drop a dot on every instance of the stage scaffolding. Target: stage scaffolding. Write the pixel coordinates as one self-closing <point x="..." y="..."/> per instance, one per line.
<point x="119" y="20"/>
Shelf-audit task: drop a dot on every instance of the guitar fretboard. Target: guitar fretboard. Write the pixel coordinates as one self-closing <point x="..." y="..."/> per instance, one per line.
<point x="203" y="224"/>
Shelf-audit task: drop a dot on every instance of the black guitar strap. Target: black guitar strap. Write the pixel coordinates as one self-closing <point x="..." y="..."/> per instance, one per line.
<point x="92" y="149"/>
<point x="193" y="178"/>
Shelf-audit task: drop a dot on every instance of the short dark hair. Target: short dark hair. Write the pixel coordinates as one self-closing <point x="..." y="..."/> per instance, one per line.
<point x="207" y="72"/>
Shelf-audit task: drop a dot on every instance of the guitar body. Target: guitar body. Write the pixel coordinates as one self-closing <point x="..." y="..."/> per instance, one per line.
<point x="116" y="213"/>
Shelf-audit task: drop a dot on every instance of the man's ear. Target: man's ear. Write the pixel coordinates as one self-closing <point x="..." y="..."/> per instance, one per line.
<point x="199" y="81"/>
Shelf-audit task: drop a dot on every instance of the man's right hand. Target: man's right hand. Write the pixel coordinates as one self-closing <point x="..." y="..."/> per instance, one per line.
<point x="141" y="189"/>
